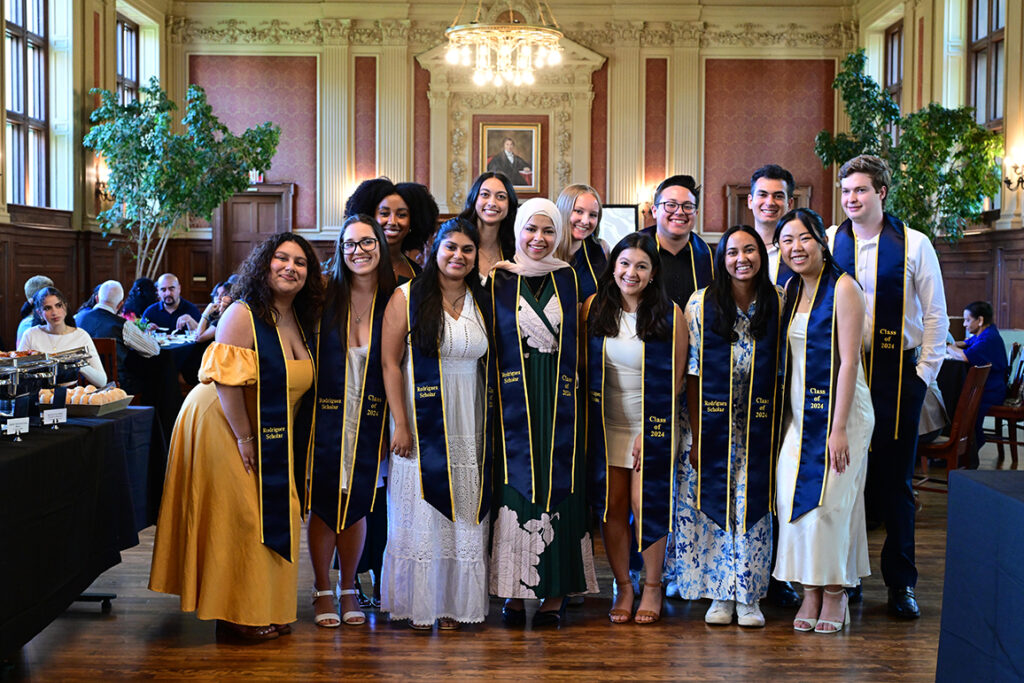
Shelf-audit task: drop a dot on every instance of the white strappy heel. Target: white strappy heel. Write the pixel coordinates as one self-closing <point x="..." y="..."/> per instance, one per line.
<point x="353" y="617"/>
<point x="323" y="617"/>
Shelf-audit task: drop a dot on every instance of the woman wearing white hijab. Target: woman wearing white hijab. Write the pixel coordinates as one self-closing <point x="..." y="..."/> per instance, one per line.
<point x="542" y="547"/>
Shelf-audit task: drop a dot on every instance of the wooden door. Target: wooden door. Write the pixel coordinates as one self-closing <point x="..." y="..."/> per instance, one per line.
<point x="247" y="219"/>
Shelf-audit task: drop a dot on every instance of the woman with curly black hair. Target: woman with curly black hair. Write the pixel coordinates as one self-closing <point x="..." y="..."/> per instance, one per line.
<point x="140" y="297"/>
<point x="229" y="521"/>
<point x="406" y="212"/>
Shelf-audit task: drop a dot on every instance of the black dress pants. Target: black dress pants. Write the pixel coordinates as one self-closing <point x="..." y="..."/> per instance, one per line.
<point x="888" y="493"/>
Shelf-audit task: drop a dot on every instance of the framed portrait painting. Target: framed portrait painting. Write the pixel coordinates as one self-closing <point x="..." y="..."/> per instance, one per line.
<point x="514" y="149"/>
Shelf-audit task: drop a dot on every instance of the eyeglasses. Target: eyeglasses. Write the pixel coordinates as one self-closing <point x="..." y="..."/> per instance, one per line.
<point x="367" y="244"/>
<point x="689" y="208"/>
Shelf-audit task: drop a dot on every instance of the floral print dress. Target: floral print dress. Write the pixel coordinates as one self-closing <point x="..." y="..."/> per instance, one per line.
<point x="703" y="560"/>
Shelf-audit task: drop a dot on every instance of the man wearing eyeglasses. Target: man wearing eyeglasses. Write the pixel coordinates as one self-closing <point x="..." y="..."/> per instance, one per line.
<point x="686" y="259"/>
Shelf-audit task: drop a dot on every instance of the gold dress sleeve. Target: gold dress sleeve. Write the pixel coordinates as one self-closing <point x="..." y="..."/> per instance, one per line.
<point x="229" y="365"/>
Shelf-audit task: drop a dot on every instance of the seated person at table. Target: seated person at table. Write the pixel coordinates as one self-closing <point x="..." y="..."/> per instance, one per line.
<point x="140" y="297"/>
<point x="220" y="299"/>
<point x="102" y="320"/>
<point x="984" y="346"/>
<point x="57" y="335"/>
<point x="27" y="314"/>
<point x="171" y="311"/>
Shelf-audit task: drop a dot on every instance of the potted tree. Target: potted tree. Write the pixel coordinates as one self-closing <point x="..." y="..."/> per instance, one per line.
<point x="158" y="177"/>
<point x="943" y="163"/>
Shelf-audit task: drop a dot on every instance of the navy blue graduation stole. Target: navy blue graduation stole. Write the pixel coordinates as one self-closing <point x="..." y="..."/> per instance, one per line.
<point x="324" y="485"/>
<point x="784" y="273"/>
<point x="516" y="456"/>
<point x="589" y="261"/>
<point x="658" y="445"/>
<point x="819" y="387"/>
<point x="277" y="438"/>
<point x="885" y="369"/>
<point x="715" y="417"/>
<point x="430" y="425"/>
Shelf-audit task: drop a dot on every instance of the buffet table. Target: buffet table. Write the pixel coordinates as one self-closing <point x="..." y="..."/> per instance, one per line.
<point x="982" y="632"/>
<point x="70" y="501"/>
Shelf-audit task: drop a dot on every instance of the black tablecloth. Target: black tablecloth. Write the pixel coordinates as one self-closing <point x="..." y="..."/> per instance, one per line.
<point x="982" y="632"/>
<point x="67" y="509"/>
<point x="154" y="381"/>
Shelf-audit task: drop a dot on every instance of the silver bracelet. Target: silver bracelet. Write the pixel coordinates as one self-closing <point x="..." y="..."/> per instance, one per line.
<point x="246" y="439"/>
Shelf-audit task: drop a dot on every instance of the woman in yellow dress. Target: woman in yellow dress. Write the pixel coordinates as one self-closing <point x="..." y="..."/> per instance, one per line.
<point x="227" y="537"/>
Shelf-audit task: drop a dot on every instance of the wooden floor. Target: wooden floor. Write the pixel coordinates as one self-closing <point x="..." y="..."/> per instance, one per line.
<point x="145" y="636"/>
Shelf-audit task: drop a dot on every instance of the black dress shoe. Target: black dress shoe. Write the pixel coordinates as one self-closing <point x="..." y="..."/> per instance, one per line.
<point x="903" y="603"/>
<point x="511" y="616"/>
<point x="855" y="594"/>
<point x="543" y="618"/>
<point x="782" y="594"/>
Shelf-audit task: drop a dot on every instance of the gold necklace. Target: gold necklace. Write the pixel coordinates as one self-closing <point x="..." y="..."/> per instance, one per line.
<point x="359" y="316"/>
<point x="450" y="305"/>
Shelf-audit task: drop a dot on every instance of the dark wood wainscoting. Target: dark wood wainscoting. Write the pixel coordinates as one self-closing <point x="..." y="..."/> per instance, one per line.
<point x="77" y="261"/>
<point x="987" y="266"/>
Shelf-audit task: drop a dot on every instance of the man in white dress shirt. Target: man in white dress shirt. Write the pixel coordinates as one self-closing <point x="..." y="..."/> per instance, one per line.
<point x="905" y="319"/>
<point x="771" y="196"/>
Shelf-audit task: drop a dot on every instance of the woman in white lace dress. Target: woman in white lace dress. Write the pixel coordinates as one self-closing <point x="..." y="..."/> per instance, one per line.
<point x="435" y="351"/>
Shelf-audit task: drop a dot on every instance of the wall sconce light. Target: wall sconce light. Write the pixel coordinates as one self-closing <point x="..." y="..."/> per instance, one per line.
<point x="1014" y="180"/>
<point x="102" y="177"/>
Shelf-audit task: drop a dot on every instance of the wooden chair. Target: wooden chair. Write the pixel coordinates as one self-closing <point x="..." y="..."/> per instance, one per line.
<point x="1011" y="410"/>
<point x="961" y="433"/>
<point x="107" y="348"/>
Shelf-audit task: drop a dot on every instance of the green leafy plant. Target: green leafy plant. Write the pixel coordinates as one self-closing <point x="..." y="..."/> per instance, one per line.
<point x="158" y="177"/>
<point x="943" y="163"/>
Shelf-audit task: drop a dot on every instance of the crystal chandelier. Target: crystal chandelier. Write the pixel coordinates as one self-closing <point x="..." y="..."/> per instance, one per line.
<point x="508" y="48"/>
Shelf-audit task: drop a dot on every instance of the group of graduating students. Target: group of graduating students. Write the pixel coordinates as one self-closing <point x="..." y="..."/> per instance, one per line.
<point x="526" y="374"/>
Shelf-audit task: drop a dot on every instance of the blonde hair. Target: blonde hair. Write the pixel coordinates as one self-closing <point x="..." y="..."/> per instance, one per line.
<point x="565" y="203"/>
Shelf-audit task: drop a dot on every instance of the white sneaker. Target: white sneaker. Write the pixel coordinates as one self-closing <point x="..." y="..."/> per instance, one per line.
<point x="749" y="615"/>
<point x="720" y="612"/>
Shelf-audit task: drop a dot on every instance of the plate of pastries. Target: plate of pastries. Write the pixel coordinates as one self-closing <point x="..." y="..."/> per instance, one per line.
<point x="90" y="400"/>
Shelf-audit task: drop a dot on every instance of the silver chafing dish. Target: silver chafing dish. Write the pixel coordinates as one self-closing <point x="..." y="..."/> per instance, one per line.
<point x="25" y="374"/>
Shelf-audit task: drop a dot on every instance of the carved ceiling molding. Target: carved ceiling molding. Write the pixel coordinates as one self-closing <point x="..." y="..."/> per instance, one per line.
<point x="185" y="30"/>
<point x="841" y="35"/>
<point x="462" y="107"/>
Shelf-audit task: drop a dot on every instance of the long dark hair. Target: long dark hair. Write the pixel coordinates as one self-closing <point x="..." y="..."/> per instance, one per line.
<point x="91" y="301"/>
<point x="507" y="229"/>
<point x="140" y="297"/>
<point x="336" y="296"/>
<point x="720" y="290"/>
<point x="426" y="333"/>
<point x="40" y="296"/>
<point x="654" y="306"/>
<point x="812" y="221"/>
<point x="252" y="286"/>
<point x="423" y="213"/>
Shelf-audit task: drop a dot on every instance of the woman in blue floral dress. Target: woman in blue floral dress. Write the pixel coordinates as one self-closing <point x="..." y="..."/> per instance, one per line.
<point x="723" y="536"/>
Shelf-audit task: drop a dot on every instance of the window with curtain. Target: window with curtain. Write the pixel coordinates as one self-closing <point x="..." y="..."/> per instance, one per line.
<point x="127" y="60"/>
<point x="986" y="63"/>
<point x="27" y="132"/>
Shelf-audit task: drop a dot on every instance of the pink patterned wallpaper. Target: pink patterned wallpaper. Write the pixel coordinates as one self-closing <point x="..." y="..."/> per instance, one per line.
<point x="599" y="132"/>
<point x="246" y="91"/>
<point x="762" y="111"/>
<point x="655" y="120"/>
